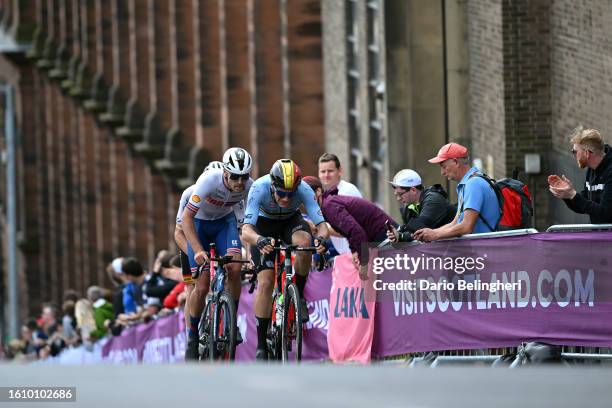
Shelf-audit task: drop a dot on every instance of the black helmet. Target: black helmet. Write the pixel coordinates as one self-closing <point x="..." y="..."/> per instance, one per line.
<point x="285" y="174"/>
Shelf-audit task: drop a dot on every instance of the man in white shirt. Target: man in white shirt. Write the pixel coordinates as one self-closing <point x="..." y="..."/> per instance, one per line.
<point x="330" y="174"/>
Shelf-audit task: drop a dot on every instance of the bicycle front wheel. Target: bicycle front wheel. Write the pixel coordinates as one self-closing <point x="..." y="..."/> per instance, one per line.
<point x="222" y="341"/>
<point x="291" y="327"/>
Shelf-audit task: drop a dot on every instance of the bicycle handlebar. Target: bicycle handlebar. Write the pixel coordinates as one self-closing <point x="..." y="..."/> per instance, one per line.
<point x="227" y="259"/>
<point x="224" y="260"/>
<point x="282" y="247"/>
<point x="295" y="248"/>
<point x="320" y="263"/>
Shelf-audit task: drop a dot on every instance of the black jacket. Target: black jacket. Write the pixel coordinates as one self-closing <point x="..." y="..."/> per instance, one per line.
<point x="434" y="211"/>
<point x="596" y="198"/>
<point x="157" y="286"/>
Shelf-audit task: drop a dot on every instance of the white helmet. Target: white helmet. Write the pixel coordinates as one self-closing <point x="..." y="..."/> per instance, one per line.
<point x="236" y="160"/>
<point x="213" y="165"/>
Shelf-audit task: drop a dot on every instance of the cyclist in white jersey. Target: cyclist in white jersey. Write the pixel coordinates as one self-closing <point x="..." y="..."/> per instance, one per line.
<point x="181" y="240"/>
<point x="209" y="217"/>
<point x="179" y="235"/>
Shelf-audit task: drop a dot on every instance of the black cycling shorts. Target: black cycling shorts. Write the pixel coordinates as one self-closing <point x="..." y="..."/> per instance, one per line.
<point x="277" y="229"/>
<point x="185" y="269"/>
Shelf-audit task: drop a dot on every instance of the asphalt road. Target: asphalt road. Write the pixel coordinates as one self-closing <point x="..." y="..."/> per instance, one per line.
<point x="182" y="386"/>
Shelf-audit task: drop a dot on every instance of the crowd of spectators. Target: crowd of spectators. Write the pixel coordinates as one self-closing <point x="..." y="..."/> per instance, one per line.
<point x="134" y="296"/>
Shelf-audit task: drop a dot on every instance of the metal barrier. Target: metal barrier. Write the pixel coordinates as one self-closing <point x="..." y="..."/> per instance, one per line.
<point x="497" y="234"/>
<point x="465" y="359"/>
<point x="494" y="234"/>
<point x="437" y="358"/>
<point x="580" y="356"/>
<point x="579" y="227"/>
<point x="514" y="357"/>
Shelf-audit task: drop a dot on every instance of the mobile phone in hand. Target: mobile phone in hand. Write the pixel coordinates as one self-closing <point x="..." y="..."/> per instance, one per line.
<point x="389" y="226"/>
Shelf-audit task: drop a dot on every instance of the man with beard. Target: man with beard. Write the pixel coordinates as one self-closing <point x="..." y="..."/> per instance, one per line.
<point x="209" y="217"/>
<point x="596" y="198"/>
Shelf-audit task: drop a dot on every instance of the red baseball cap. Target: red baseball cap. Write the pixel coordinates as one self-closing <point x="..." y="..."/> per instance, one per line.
<point x="450" y="151"/>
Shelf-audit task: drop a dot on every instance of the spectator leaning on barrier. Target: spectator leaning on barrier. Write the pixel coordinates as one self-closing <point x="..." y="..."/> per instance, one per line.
<point x="102" y="310"/>
<point x="477" y="200"/>
<point x="69" y="297"/>
<point x="156" y="284"/>
<point x="422" y="207"/>
<point x="53" y="329"/>
<point x="132" y="291"/>
<point x="355" y="218"/>
<point x="115" y="273"/>
<point x="171" y="269"/>
<point x="330" y="175"/>
<point x="152" y="307"/>
<point x="596" y="198"/>
<point x="33" y="337"/>
<point x="69" y="322"/>
<point x="86" y="323"/>
<point x="49" y="317"/>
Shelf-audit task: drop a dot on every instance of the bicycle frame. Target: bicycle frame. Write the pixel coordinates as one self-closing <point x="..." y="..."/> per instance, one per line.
<point x="283" y="276"/>
<point x="217" y="285"/>
<point x="220" y="317"/>
<point x="287" y="328"/>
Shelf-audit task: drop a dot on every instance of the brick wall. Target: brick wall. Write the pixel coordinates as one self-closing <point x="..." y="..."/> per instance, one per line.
<point x="486" y="61"/>
<point x="126" y="101"/>
<point x="527" y="97"/>
<point x="510" y="89"/>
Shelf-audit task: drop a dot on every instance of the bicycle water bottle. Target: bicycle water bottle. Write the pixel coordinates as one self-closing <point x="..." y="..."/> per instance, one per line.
<point x="279" y="310"/>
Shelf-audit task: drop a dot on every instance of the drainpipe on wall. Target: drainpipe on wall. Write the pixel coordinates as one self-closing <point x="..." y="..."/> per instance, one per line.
<point x="11" y="210"/>
<point x="445" y="76"/>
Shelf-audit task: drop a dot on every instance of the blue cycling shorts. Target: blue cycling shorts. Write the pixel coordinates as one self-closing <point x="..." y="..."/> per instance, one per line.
<point x="223" y="232"/>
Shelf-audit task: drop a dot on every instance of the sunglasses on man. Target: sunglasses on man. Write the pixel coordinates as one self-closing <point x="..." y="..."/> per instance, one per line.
<point x="283" y="193"/>
<point x="235" y="177"/>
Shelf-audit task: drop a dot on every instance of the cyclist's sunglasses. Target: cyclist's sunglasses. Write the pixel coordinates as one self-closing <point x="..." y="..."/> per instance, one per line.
<point x="283" y="193"/>
<point x="235" y="177"/>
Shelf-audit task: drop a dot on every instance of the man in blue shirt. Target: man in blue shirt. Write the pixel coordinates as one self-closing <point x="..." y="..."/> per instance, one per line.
<point x="477" y="200"/>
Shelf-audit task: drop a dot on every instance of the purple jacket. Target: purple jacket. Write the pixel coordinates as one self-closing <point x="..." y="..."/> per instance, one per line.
<point x="357" y="219"/>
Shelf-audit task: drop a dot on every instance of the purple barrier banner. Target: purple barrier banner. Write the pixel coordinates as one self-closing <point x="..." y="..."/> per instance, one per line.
<point x="449" y="295"/>
<point x="496" y="292"/>
<point x="163" y="340"/>
<point x="314" y="342"/>
<point x="159" y="341"/>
